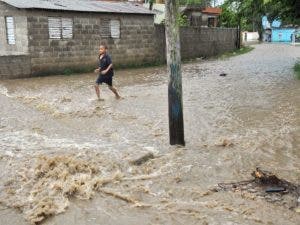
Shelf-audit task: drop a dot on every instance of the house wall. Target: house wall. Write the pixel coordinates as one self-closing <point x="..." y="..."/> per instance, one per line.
<point x="282" y="35"/>
<point x="249" y="36"/>
<point x="21" y="36"/>
<point x="204" y="20"/>
<point x="141" y="42"/>
<point x="159" y="10"/>
<point x="14" y="66"/>
<point x="135" y="45"/>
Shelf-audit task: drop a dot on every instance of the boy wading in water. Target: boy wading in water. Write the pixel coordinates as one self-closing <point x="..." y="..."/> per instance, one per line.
<point x="106" y="72"/>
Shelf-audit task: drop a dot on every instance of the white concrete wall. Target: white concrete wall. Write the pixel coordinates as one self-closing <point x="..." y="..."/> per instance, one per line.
<point x="159" y="10"/>
<point x="21" y="31"/>
<point x="251" y="36"/>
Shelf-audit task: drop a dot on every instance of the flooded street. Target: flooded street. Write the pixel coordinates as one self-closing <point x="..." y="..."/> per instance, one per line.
<point x="233" y="124"/>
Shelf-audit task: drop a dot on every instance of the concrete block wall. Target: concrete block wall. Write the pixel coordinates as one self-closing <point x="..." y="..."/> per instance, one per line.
<point x="135" y="46"/>
<point x="137" y="43"/>
<point x="207" y="41"/>
<point x="160" y="43"/>
<point x="141" y="42"/>
<point x="200" y="41"/>
<point x="14" y="66"/>
<point x="21" y="36"/>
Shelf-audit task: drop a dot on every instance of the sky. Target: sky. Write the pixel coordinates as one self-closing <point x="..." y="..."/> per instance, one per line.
<point x="219" y="2"/>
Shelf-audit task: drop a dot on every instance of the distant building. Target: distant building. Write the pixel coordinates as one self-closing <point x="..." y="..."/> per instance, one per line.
<point x="282" y="34"/>
<point x="275" y="32"/>
<point x="202" y="16"/>
<point x="250" y="37"/>
<point x="196" y="15"/>
<point x="296" y="36"/>
<point x="159" y="12"/>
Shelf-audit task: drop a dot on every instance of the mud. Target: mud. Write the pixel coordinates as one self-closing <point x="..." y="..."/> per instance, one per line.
<point x="233" y="124"/>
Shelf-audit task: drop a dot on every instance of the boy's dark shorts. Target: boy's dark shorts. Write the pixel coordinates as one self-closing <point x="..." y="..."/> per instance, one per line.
<point x="104" y="79"/>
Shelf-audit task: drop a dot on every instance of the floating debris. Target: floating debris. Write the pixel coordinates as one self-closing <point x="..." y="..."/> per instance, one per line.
<point x="65" y="99"/>
<point x="142" y="159"/>
<point x="275" y="189"/>
<point x="225" y="143"/>
<point x="268" y="186"/>
<point x="44" y="188"/>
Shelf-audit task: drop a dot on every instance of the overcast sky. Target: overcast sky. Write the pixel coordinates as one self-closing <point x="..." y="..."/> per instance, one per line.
<point x="219" y="2"/>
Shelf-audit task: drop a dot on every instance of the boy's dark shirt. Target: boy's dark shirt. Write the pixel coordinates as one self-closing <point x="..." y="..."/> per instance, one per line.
<point x="104" y="63"/>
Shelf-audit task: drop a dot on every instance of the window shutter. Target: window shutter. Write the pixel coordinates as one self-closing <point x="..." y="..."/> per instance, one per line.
<point x="104" y="32"/>
<point x="67" y="28"/>
<point x="54" y="27"/>
<point x="115" y="28"/>
<point x="10" y="30"/>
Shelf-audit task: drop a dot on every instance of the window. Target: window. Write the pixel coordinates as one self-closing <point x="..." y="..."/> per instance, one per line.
<point x="105" y="33"/>
<point x="67" y="28"/>
<point x="115" y="28"/>
<point x="280" y="36"/>
<point x="54" y="27"/>
<point x="60" y="28"/>
<point x="211" y="22"/>
<point x="110" y="28"/>
<point x="10" y="30"/>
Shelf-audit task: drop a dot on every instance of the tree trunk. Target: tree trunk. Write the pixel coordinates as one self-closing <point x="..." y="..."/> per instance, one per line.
<point x="176" y="127"/>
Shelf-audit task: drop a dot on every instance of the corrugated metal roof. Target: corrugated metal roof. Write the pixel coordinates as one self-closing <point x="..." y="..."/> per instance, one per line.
<point x="81" y="6"/>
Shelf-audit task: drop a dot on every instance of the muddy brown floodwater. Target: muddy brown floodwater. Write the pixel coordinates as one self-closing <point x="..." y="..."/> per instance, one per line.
<point x="66" y="158"/>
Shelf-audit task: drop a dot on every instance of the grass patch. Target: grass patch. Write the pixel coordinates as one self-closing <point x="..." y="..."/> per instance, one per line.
<point x="241" y="51"/>
<point x="297" y="69"/>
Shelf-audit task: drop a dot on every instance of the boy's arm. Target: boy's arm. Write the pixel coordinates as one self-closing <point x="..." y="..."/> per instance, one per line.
<point x="107" y="69"/>
<point x="97" y="70"/>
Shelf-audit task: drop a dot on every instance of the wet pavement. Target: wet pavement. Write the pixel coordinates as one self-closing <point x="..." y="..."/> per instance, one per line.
<point x="254" y="110"/>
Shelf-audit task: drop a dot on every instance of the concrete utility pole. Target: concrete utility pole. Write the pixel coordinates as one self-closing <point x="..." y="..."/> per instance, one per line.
<point x="176" y="128"/>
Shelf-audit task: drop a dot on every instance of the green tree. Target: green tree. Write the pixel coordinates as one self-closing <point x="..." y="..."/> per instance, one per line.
<point x="229" y="17"/>
<point x="288" y="11"/>
<point x="203" y="3"/>
<point x="248" y="13"/>
<point x="252" y="12"/>
<point x="181" y="20"/>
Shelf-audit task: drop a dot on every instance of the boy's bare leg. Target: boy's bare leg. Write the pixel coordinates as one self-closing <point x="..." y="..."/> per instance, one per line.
<point x="97" y="89"/>
<point x="114" y="90"/>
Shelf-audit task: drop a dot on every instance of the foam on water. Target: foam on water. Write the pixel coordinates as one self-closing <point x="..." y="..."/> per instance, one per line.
<point x="4" y="91"/>
<point x="32" y="142"/>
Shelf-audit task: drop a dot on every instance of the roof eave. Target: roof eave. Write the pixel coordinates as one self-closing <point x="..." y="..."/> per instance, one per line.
<point x="150" y="13"/>
<point x="79" y="11"/>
